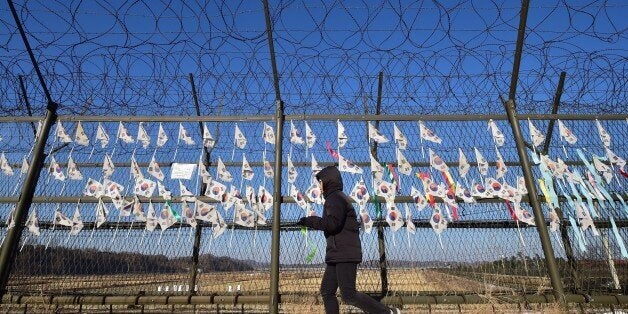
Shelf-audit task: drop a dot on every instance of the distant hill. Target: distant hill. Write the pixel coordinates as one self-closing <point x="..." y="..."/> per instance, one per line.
<point x="36" y="260"/>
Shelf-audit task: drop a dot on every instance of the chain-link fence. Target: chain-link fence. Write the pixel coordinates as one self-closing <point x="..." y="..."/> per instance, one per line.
<point x="484" y="250"/>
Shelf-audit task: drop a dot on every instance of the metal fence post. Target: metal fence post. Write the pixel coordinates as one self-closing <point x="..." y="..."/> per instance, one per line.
<point x="277" y="199"/>
<point x="8" y="251"/>
<point x="546" y="244"/>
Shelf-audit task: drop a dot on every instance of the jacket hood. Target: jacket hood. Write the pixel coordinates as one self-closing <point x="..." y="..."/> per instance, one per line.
<point x="332" y="181"/>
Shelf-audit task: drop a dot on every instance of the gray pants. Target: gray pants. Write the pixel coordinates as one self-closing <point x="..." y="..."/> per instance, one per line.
<point x="343" y="275"/>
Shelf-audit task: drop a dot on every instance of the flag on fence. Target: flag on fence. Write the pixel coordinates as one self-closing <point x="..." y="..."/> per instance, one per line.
<point x="80" y="137"/>
<point x="144" y="187"/>
<point x="107" y="166"/>
<point x="437" y="221"/>
<point x="162" y="137"/>
<point x="292" y="171"/>
<point x="400" y="138"/>
<point x="393" y="216"/>
<point x="240" y="140"/>
<point x="482" y="163"/>
<point x="73" y="171"/>
<point x="206" y="212"/>
<point x="536" y="135"/>
<point x="135" y="169"/>
<point x="185" y="136"/>
<point x="315" y="167"/>
<point x="93" y="188"/>
<point x="247" y="171"/>
<point x="402" y="164"/>
<point x="243" y="216"/>
<point x="63" y="136"/>
<point x="61" y="219"/>
<point x="295" y="134"/>
<point x="265" y="199"/>
<point x="163" y="191"/>
<point x="138" y="211"/>
<point x="32" y="224"/>
<point x="427" y="134"/>
<point x="55" y="170"/>
<point x="24" y="168"/>
<point x="436" y="162"/>
<point x="208" y="139"/>
<point x="215" y="190"/>
<point x="185" y="194"/>
<point x="375" y="135"/>
<point x="167" y="218"/>
<point x="189" y="214"/>
<point x="269" y="134"/>
<point x="410" y="227"/>
<point x="5" y="166"/>
<point x="123" y="134"/>
<point x="565" y="133"/>
<point x="347" y="165"/>
<point x="360" y="193"/>
<point x="417" y="197"/>
<point x="102" y="136"/>
<point x="142" y="135"/>
<point x="500" y="165"/>
<point x="604" y="136"/>
<point x="498" y="136"/>
<point x="463" y="163"/>
<point x="342" y="136"/>
<point x="377" y="171"/>
<point x="310" y="137"/>
<point x="154" y="169"/>
<point x="268" y="169"/>
<point x="151" y="218"/>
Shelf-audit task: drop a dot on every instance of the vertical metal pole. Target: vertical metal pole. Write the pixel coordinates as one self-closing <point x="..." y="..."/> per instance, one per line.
<point x="279" y="118"/>
<point x="546" y="244"/>
<point x="523" y="17"/>
<point x="381" y="241"/>
<point x="12" y="239"/>
<point x="198" y="232"/>
<point x="550" y="127"/>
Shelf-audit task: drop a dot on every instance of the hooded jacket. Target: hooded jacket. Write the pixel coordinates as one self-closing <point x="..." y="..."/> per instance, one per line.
<point x="338" y="222"/>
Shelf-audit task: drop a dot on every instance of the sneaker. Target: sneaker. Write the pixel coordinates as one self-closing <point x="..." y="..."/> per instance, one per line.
<point x="394" y="310"/>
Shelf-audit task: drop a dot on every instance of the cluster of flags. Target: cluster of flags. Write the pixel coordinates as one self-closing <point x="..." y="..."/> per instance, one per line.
<point x="250" y="207"/>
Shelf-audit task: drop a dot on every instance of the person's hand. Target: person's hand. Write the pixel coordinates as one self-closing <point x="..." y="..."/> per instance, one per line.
<point x="301" y="221"/>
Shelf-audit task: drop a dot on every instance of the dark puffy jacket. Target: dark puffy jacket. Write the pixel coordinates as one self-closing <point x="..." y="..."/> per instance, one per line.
<point x="339" y="221"/>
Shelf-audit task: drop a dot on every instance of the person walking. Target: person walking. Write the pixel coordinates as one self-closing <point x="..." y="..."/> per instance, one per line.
<point x="344" y="251"/>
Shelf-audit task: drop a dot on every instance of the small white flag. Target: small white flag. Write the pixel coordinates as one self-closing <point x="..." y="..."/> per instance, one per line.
<point x="240" y="140"/>
<point x="537" y="137"/>
<point x="61" y="219"/>
<point x="298" y="197"/>
<point x="184" y="136"/>
<point x="438" y="222"/>
<point x="154" y="169"/>
<point x="138" y="212"/>
<point x="613" y="158"/>
<point x="63" y="136"/>
<point x="93" y="188"/>
<point x="386" y="190"/>
<point x="222" y="171"/>
<point x="436" y="162"/>
<point x="419" y="200"/>
<point x="162" y="137"/>
<point x="427" y="134"/>
<point x="163" y="191"/>
<point x="80" y="137"/>
<point x="523" y="214"/>
<point x="314" y="193"/>
<point x="151" y="218"/>
<point x="55" y="170"/>
<point x="295" y="134"/>
<point x="206" y="212"/>
<point x="73" y="171"/>
<point x="409" y="224"/>
<point x="189" y="214"/>
<point x="11" y="219"/>
<point x="377" y="170"/>
<point x="360" y="193"/>
<point x="215" y="190"/>
<point x="142" y="135"/>
<point x="135" y="170"/>
<point x="268" y="135"/>
<point x="265" y="199"/>
<point x="243" y="216"/>
<point x="482" y="163"/>
<point x="166" y="218"/>
<point x="77" y="222"/>
<point x="315" y="167"/>
<point x="203" y="173"/>
<point x="113" y="189"/>
<point x="463" y="164"/>
<point x="292" y="171"/>
<point x="604" y="136"/>
<point x="32" y="224"/>
<point x="24" y="165"/>
<point x="144" y="187"/>
<point x="208" y="139"/>
<point x="393" y="216"/>
<point x="123" y="134"/>
<point x="347" y="165"/>
<point x="182" y="171"/>
<point x="375" y="135"/>
<point x="498" y="136"/>
<point x="566" y="134"/>
<point x="247" y="171"/>
<point x="464" y="193"/>
<point x="5" y="166"/>
<point x="102" y="136"/>
<point x="402" y="164"/>
<point x="185" y="194"/>
<point x="367" y="222"/>
<point x="101" y="213"/>
<point x="107" y="166"/>
<point x="268" y="169"/>
<point x="310" y="137"/>
<point x="342" y="136"/>
<point x="400" y="138"/>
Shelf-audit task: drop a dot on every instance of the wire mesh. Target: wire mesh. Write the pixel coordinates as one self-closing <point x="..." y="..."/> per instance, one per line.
<point x="483" y="251"/>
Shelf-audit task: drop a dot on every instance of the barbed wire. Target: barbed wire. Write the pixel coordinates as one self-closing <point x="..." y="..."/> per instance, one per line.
<point x="134" y="58"/>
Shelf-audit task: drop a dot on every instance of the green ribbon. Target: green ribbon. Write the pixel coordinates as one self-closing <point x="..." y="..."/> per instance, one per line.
<point x="313" y="249"/>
